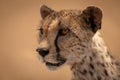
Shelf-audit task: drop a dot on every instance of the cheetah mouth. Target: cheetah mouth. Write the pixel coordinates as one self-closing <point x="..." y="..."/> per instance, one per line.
<point x="55" y="64"/>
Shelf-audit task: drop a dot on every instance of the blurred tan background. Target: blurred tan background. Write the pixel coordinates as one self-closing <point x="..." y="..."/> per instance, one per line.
<point x="19" y="20"/>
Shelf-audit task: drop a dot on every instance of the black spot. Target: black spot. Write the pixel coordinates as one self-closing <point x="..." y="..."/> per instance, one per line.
<point x="98" y="78"/>
<point x="82" y="45"/>
<point x="108" y="52"/>
<point x="83" y="72"/>
<point x="111" y="72"/>
<point x="102" y="64"/>
<point x="114" y="79"/>
<point x="117" y="63"/>
<point x="112" y="63"/>
<point x="112" y="57"/>
<point x="98" y="63"/>
<point x="81" y="62"/>
<point x="72" y="50"/>
<point x="90" y="58"/>
<point x="83" y="59"/>
<point x="94" y="54"/>
<point x="78" y="48"/>
<point x="91" y="73"/>
<point x="102" y="57"/>
<point x="119" y="76"/>
<point x="106" y="73"/>
<point x="91" y="66"/>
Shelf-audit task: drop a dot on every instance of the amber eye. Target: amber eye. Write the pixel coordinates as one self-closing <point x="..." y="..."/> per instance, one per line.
<point x="64" y="31"/>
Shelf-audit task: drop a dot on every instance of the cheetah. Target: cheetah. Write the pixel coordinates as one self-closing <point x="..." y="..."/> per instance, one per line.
<point x="72" y="37"/>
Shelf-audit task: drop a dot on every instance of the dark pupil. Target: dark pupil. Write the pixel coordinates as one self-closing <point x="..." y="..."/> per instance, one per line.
<point x="63" y="31"/>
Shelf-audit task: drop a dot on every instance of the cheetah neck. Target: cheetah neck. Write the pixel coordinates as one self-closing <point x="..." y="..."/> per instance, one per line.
<point x="97" y="64"/>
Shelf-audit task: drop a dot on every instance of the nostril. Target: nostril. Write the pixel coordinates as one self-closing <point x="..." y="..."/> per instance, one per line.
<point x="43" y="52"/>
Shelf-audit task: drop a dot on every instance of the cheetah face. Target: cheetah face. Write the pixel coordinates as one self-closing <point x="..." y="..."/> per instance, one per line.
<point x="65" y="35"/>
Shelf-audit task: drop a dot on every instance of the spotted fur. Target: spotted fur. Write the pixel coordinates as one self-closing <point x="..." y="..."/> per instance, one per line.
<point x="72" y="38"/>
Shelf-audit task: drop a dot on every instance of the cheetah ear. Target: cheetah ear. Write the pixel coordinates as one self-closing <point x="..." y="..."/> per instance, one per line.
<point x="93" y="17"/>
<point x="45" y="11"/>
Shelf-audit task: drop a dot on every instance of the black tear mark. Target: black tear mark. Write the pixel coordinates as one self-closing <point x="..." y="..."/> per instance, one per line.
<point x="56" y="45"/>
<point x="59" y="58"/>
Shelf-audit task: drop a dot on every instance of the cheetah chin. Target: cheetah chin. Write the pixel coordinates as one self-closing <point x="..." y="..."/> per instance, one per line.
<point x="53" y="66"/>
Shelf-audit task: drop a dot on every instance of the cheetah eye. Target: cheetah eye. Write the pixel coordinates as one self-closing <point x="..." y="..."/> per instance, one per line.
<point x="64" y="31"/>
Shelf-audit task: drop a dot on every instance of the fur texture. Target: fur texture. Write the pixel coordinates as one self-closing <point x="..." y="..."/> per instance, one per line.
<point x="72" y="37"/>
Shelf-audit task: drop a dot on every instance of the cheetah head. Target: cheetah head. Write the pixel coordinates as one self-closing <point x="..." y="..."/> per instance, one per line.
<point x="65" y="35"/>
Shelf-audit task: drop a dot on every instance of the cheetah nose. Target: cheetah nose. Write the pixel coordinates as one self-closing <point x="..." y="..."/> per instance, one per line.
<point x="42" y="51"/>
